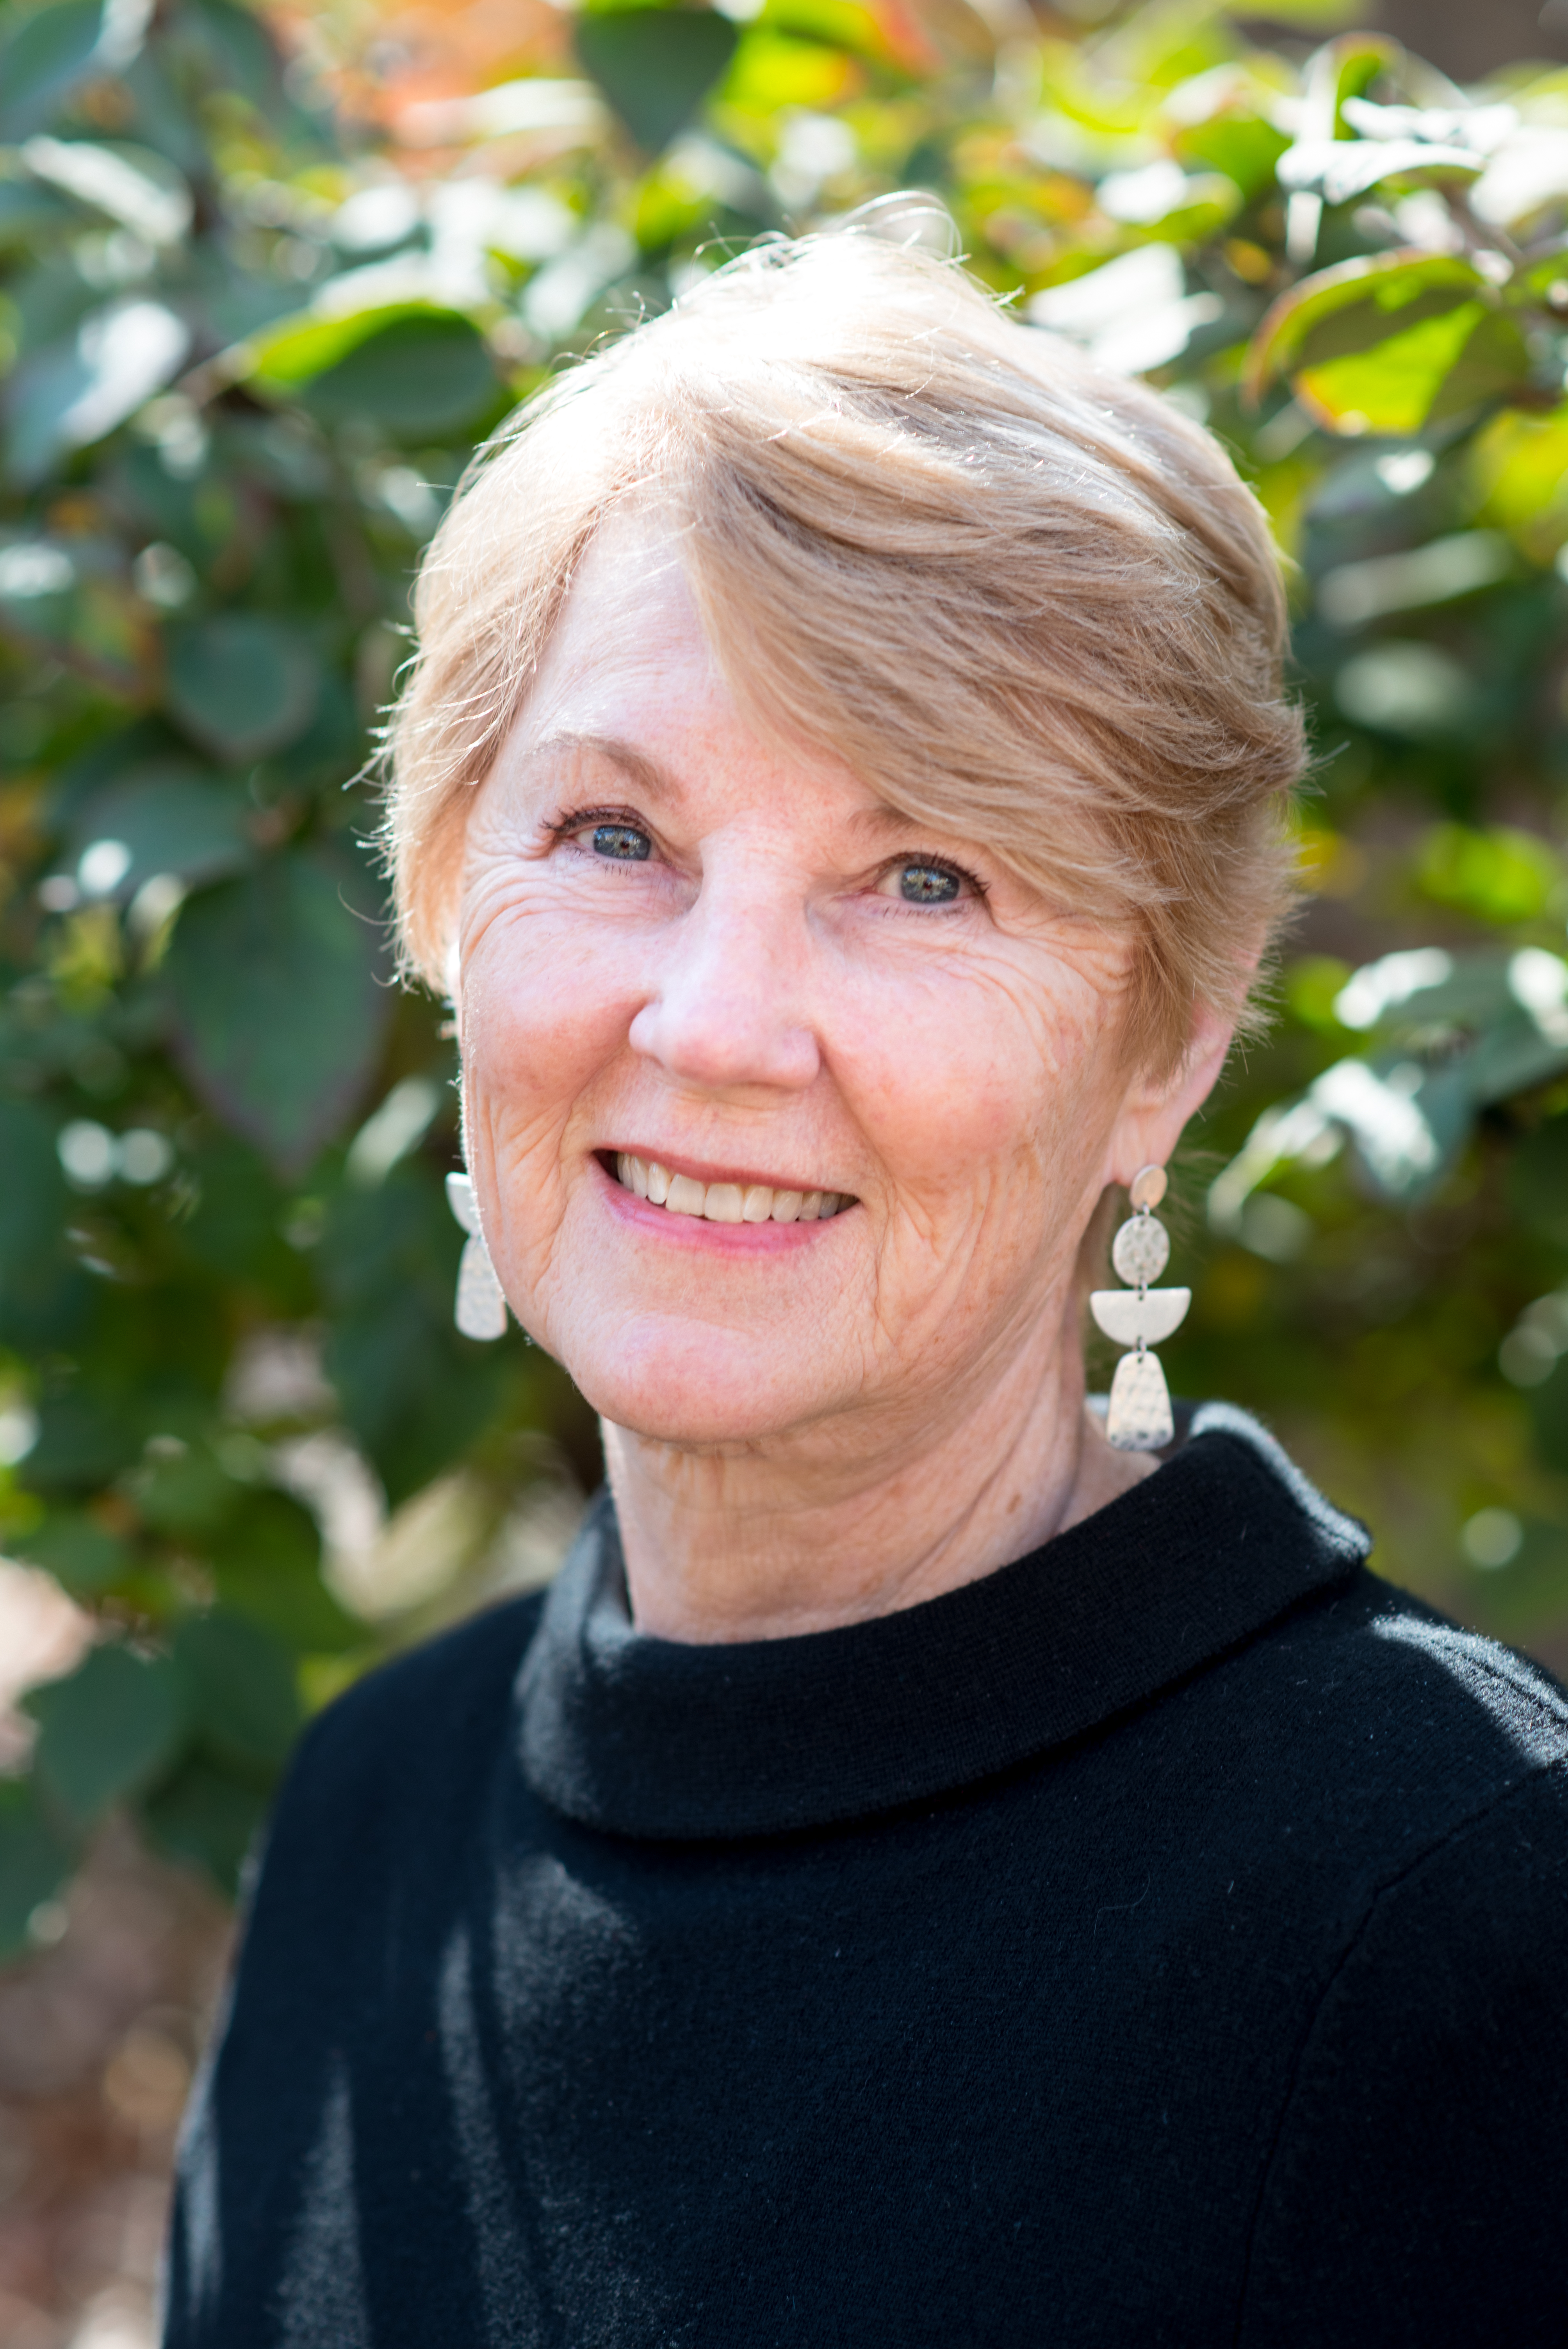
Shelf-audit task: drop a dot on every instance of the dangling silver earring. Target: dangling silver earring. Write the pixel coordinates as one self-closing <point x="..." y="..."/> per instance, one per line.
<point x="480" y="1308"/>
<point x="1138" y="1417"/>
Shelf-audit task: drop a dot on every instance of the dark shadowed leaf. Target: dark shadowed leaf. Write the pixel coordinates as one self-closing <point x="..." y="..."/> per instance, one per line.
<point x="278" y="1010"/>
<point x="267" y="1563"/>
<point x="656" y="65"/>
<point x="84" y="1440"/>
<point x="109" y="1730"/>
<point x="243" y="684"/>
<point x="238" y="1693"/>
<point x="420" y="374"/>
<point x="413" y="1392"/>
<point x="169" y="818"/>
<point x="36" y="1858"/>
<point x="42" y="1294"/>
<point x="75" y="1549"/>
<point x="208" y="1818"/>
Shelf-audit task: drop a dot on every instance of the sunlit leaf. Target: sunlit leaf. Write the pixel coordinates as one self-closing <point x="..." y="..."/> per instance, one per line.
<point x="1501" y="876"/>
<point x="76" y="392"/>
<point x="1348" y="310"/>
<point x="1239" y="144"/>
<point x="1518" y="464"/>
<point x="1438" y="366"/>
<point x="771" y="72"/>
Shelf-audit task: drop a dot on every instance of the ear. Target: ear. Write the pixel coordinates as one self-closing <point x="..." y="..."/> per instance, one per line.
<point x="1156" y="1109"/>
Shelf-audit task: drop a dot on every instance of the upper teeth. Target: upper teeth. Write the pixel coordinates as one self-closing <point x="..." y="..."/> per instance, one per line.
<point x="724" y="1202"/>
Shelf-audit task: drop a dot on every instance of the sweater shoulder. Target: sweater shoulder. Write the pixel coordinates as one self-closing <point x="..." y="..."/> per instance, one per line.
<point x="1389" y="1729"/>
<point x="1414" y="2191"/>
<point x="412" y="1721"/>
<point x="1401" y="1654"/>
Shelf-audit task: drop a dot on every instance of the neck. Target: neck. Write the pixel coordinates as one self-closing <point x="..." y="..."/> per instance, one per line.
<point x="767" y="1541"/>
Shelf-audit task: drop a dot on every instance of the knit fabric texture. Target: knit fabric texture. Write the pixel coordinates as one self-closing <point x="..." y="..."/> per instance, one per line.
<point x="1164" y="1940"/>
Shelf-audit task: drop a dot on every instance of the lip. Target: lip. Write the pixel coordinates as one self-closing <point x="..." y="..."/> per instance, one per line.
<point x="699" y="1170"/>
<point x="694" y="1231"/>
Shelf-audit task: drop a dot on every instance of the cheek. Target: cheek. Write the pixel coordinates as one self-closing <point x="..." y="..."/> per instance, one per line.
<point x="542" y="1012"/>
<point x="981" y="1084"/>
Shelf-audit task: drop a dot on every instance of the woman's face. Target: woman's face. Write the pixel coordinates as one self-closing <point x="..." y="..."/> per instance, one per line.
<point x="685" y="948"/>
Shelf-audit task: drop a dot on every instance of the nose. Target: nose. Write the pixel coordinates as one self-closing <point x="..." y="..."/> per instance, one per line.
<point x="729" y="1010"/>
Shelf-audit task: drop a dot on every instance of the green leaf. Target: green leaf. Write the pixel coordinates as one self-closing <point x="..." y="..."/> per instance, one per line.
<point x="36" y="1858"/>
<point x="28" y="213"/>
<point x="409" y="366"/>
<point x="267" y="1565"/>
<point x="187" y="1498"/>
<point x="1436" y="369"/>
<point x="77" y="1550"/>
<point x="1501" y="875"/>
<point x="240" y="1693"/>
<point x="1347" y="312"/>
<point x="413" y="1392"/>
<point x="279" y="1010"/>
<point x="33" y="1196"/>
<point x="242" y="685"/>
<point x="44" y="1296"/>
<point x="1538" y="1180"/>
<point x="41" y="54"/>
<point x="422" y="374"/>
<point x="1520" y="464"/>
<point x="656" y="65"/>
<point x="170" y="818"/>
<point x="109" y="1730"/>
<point x="1239" y="144"/>
<point x="74" y="393"/>
<point x="84" y="1439"/>
<point x="207" y="1818"/>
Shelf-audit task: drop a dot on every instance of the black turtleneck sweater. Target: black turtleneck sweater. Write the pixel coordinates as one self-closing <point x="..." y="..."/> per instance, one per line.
<point x="1163" y="1940"/>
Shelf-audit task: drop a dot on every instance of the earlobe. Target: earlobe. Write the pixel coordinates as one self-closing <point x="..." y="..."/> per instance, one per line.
<point x="1156" y="1110"/>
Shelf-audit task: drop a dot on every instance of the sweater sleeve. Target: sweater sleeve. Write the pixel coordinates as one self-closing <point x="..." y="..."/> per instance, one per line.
<point x="1418" y="2192"/>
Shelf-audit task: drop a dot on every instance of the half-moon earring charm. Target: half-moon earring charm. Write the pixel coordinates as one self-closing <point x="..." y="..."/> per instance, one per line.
<point x="1137" y="1416"/>
<point x="480" y="1308"/>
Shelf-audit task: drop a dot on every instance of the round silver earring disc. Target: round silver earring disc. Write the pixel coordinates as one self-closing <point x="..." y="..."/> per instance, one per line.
<point x="1147" y="1188"/>
<point x="1140" y="1250"/>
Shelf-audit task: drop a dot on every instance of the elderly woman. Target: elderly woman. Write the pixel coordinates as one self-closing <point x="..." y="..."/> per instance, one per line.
<point x="939" y="1865"/>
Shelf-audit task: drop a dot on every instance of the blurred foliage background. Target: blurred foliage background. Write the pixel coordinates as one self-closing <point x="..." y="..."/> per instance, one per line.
<point x="265" y="278"/>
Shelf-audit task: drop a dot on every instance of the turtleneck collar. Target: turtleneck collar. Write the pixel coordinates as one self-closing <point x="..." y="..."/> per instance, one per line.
<point x="658" y="1739"/>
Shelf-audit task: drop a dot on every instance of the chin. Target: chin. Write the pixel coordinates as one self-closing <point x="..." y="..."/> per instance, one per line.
<point x="676" y="1382"/>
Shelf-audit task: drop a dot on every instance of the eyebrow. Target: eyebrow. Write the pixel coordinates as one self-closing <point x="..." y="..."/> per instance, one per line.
<point x="653" y="781"/>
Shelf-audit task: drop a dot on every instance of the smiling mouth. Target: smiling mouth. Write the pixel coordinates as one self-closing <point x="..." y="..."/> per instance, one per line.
<point x="722" y="1203"/>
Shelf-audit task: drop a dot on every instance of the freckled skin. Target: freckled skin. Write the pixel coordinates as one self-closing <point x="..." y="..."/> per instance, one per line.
<point x="804" y="1430"/>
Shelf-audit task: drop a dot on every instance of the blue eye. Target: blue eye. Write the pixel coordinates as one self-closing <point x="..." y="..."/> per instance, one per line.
<point x="927" y="884"/>
<point x="623" y="841"/>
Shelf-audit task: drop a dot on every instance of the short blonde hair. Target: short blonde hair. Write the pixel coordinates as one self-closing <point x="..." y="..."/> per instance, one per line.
<point x="1025" y="600"/>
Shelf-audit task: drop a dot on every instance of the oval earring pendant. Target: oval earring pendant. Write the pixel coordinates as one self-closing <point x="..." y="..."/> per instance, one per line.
<point x="1137" y="1416"/>
<point x="479" y="1310"/>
